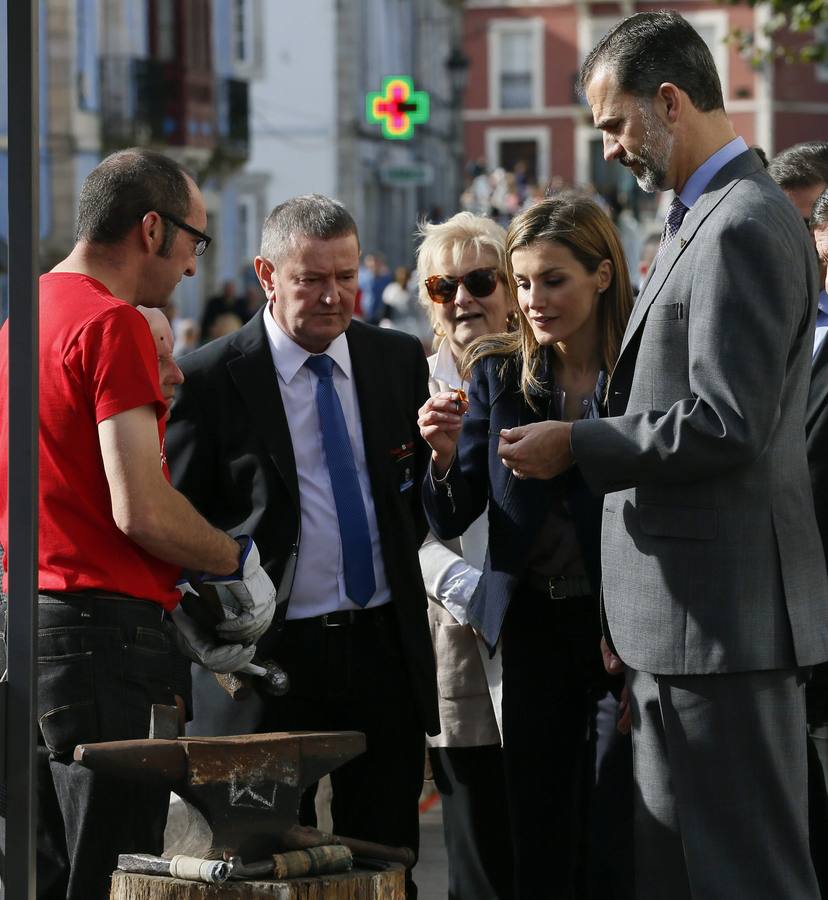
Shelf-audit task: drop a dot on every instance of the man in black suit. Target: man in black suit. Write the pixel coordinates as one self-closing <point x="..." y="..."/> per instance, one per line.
<point x="802" y="173"/>
<point x="301" y="430"/>
<point x="816" y="443"/>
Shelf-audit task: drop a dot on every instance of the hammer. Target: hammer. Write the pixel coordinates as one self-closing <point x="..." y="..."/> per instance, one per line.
<point x="207" y="611"/>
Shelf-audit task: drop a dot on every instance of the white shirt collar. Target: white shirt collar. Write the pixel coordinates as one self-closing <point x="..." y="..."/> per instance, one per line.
<point x="445" y="368"/>
<point x="289" y="357"/>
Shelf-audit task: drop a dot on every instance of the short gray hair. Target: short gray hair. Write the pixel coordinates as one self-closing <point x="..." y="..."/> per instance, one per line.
<point x="309" y="216"/>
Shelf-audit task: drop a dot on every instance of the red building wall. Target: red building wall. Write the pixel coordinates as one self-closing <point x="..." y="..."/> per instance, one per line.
<point x="800" y="100"/>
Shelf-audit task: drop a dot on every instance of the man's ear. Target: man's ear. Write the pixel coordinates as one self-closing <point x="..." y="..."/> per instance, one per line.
<point x="266" y="274"/>
<point x="152" y="232"/>
<point x="669" y="101"/>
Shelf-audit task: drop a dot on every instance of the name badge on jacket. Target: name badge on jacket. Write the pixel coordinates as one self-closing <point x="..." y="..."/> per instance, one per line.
<point x="403" y="456"/>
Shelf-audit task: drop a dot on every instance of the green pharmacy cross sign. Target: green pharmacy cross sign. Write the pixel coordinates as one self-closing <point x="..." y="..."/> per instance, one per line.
<point x="397" y="107"/>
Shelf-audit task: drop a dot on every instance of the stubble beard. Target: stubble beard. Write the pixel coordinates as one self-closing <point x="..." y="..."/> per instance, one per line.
<point x="653" y="160"/>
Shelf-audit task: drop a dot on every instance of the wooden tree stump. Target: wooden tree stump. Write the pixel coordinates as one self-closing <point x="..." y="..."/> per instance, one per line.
<point x="354" y="885"/>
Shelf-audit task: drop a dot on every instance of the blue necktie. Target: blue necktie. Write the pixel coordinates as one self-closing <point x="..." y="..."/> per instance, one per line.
<point x="357" y="554"/>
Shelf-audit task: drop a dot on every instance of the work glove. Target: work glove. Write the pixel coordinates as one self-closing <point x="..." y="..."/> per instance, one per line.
<point x="251" y="603"/>
<point x="198" y="644"/>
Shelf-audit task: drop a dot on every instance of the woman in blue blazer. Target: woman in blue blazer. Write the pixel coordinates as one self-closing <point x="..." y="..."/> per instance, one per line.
<point x="539" y="590"/>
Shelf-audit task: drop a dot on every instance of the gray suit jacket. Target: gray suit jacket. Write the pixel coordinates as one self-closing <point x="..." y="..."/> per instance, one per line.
<point x="710" y="551"/>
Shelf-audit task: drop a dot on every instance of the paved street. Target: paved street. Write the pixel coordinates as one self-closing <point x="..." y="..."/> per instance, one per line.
<point x="431" y="872"/>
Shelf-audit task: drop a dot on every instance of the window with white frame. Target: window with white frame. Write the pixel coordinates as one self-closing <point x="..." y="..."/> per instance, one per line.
<point x="516" y="63"/>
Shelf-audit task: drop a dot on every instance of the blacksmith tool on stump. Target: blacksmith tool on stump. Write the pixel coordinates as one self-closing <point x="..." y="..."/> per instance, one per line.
<point x="247" y="787"/>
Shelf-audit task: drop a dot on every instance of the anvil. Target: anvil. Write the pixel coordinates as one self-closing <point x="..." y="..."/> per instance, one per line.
<point x="247" y="786"/>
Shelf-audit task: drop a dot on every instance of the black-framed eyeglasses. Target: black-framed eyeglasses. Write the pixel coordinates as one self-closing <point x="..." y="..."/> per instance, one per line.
<point x="478" y="282"/>
<point x="203" y="239"/>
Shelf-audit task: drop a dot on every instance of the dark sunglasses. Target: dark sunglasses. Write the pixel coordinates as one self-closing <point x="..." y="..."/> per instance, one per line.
<point x="478" y="282"/>
<point x="203" y="239"/>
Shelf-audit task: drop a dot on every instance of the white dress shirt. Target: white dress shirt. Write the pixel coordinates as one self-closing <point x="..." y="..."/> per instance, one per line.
<point x="450" y="577"/>
<point x="455" y="583"/>
<point x="319" y="583"/>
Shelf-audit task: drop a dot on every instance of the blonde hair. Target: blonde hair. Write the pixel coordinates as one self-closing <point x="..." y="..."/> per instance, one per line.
<point x="578" y="223"/>
<point x="461" y="233"/>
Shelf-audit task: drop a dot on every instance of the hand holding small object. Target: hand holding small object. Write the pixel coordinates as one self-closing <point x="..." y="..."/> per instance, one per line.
<point x="440" y="420"/>
<point x="538" y="450"/>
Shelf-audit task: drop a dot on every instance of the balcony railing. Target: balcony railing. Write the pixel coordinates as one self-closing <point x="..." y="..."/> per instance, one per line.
<point x="134" y="102"/>
<point x="144" y="101"/>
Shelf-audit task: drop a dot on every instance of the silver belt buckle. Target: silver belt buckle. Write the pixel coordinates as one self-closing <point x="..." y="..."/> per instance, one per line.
<point x="557" y="590"/>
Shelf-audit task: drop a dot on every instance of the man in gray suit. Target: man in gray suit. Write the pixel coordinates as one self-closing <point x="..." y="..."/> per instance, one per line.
<point x="715" y="589"/>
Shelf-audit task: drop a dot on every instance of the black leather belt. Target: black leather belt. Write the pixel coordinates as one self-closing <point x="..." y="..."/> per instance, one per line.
<point x="559" y="587"/>
<point x="346" y="618"/>
<point x="106" y="604"/>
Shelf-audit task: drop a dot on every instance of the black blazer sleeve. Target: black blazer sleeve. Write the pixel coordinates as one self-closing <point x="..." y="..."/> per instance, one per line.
<point x="453" y="504"/>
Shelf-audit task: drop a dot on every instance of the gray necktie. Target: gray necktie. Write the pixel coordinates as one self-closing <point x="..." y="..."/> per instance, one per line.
<point x="675" y="216"/>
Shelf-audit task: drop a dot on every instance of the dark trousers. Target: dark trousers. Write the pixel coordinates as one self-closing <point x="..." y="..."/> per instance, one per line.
<point x="818" y="803"/>
<point x="475" y="821"/>
<point x="610" y="862"/>
<point x="552" y="681"/>
<point x="349" y="677"/>
<point x="816" y="705"/>
<point x="102" y="664"/>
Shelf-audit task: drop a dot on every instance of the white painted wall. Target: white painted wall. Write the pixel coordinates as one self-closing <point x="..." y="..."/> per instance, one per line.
<point x="292" y="104"/>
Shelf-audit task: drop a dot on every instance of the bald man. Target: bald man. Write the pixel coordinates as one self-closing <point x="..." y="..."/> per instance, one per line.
<point x="169" y="375"/>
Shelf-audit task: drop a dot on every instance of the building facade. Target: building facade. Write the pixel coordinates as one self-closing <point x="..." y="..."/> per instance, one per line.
<point x="521" y="106"/>
<point x="261" y="100"/>
<point x="118" y="73"/>
<point x="308" y="127"/>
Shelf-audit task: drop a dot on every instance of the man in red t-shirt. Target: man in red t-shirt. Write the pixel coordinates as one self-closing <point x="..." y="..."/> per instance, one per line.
<point x="114" y="534"/>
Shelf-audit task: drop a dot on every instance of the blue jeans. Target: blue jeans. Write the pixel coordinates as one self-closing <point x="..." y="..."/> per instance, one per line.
<point x="103" y="661"/>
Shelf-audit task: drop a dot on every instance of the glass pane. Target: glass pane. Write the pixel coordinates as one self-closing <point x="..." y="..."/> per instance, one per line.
<point x="516" y="51"/>
<point x="516" y="90"/>
<point x="165" y="25"/>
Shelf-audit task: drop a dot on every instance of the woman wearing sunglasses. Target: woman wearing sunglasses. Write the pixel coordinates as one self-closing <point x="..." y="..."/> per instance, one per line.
<point x="462" y="265"/>
<point x="538" y="594"/>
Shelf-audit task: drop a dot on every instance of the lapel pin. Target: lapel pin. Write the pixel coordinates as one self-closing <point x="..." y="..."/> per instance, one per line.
<point x="682" y="242"/>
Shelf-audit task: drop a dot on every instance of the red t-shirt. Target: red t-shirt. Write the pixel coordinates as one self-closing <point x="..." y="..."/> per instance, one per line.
<point x="97" y="359"/>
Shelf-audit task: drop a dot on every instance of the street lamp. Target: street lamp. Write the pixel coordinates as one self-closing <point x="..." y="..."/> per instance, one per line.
<point x="457" y="66"/>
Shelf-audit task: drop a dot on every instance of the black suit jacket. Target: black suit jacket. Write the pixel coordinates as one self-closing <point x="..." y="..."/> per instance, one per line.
<point x="517" y="508"/>
<point x="816" y="438"/>
<point x="230" y="453"/>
